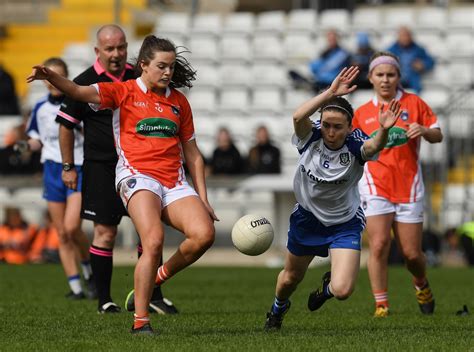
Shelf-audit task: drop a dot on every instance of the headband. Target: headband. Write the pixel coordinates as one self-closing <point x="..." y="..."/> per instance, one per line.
<point x="338" y="107"/>
<point x="384" y="60"/>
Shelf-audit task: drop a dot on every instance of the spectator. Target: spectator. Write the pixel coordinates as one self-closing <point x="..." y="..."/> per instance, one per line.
<point x="16" y="236"/>
<point x="45" y="245"/>
<point x="361" y="59"/>
<point x="12" y="162"/>
<point x="264" y="157"/>
<point x="226" y="159"/>
<point x="8" y="98"/>
<point x="324" y="69"/>
<point x="452" y="255"/>
<point x="414" y="59"/>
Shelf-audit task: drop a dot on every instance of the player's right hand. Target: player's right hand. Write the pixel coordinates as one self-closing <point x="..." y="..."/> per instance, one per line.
<point x="39" y="72"/>
<point x="70" y="178"/>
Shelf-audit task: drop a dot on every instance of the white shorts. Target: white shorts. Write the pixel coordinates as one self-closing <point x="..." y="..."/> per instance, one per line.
<point x="411" y="213"/>
<point x="129" y="185"/>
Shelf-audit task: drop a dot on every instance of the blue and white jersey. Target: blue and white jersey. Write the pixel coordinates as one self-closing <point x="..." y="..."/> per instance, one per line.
<point x="325" y="181"/>
<point x="42" y="126"/>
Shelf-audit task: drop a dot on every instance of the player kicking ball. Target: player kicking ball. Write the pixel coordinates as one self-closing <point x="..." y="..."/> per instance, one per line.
<point x="327" y="217"/>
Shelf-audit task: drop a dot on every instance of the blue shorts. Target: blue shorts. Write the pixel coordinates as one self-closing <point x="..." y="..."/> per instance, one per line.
<point x="54" y="188"/>
<point x="308" y="236"/>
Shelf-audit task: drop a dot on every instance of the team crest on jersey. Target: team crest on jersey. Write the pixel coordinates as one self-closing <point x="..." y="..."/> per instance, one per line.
<point x="131" y="182"/>
<point x="175" y="110"/>
<point x="344" y="159"/>
<point x="404" y="115"/>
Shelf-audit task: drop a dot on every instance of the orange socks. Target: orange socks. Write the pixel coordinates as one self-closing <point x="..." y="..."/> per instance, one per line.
<point x="162" y="275"/>
<point x="381" y="298"/>
<point x="139" y="322"/>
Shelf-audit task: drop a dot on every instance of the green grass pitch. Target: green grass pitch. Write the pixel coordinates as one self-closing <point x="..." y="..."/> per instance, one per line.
<point x="223" y="309"/>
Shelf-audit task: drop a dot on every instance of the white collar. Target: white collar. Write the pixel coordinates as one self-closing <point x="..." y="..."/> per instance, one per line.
<point x="144" y="88"/>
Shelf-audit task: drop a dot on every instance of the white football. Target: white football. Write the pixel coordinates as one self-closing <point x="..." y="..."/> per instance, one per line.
<point x="252" y="234"/>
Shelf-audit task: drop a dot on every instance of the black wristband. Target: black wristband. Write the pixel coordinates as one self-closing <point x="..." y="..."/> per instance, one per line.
<point x="68" y="166"/>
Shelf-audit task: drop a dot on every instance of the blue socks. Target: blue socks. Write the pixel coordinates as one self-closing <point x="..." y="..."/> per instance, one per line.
<point x="327" y="292"/>
<point x="279" y="306"/>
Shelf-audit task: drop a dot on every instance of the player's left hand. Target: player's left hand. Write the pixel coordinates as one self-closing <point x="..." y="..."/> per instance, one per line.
<point x="389" y="117"/>
<point x="415" y="130"/>
<point x="39" y="72"/>
<point x="211" y="212"/>
<point x="342" y="83"/>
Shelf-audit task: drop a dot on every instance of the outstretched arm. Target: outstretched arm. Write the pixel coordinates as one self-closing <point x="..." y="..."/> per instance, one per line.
<point x="386" y="119"/>
<point x="340" y="86"/>
<point x="86" y="94"/>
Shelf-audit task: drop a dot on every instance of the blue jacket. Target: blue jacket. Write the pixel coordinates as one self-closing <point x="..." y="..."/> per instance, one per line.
<point x="328" y="66"/>
<point x="410" y="78"/>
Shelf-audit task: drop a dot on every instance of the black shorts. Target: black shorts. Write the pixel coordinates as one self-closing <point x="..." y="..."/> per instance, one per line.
<point x="100" y="201"/>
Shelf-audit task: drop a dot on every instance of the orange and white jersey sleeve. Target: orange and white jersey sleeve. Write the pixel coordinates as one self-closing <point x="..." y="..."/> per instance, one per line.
<point x="111" y="95"/>
<point x="396" y="175"/>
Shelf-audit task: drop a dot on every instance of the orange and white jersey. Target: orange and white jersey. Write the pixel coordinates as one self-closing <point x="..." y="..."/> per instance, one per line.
<point x="149" y="130"/>
<point x="396" y="175"/>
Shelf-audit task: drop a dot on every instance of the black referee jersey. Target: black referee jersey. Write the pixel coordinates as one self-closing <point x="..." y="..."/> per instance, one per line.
<point x="98" y="134"/>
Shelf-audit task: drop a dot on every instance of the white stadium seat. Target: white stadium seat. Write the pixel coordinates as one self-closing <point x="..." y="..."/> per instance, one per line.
<point x="461" y="44"/>
<point x="431" y="18"/>
<point x="268" y="48"/>
<point x="235" y="75"/>
<point x="271" y="22"/>
<point x="434" y="42"/>
<point x="269" y="75"/>
<point x="235" y="48"/>
<point x="82" y="52"/>
<point x="460" y="125"/>
<point x="173" y="22"/>
<point x="203" y="49"/>
<point x="240" y="23"/>
<point x="203" y="101"/>
<point x="234" y="100"/>
<point x="208" y="23"/>
<point x="399" y="16"/>
<point x="302" y="21"/>
<point x="433" y="152"/>
<point x="339" y="19"/>
<point x="460" y="72"/>
<point x="367" y="18"/>
<point x="268" y="101"/>
<point x="299" y="47"/>
<point x="461" y="18"/>
<point x="294" y="98"/>
<point x="207" y="75"/>
<point x="439" y="76"/>
<point x="436" y="97"/>
<point x="206" y="127"/>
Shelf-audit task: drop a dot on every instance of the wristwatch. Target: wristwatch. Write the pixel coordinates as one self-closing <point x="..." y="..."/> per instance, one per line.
<point x="68" y="166"/>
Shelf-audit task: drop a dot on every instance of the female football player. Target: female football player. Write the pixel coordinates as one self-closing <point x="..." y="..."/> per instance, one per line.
<point x="154" y="136"/>
<point x="392" y="187"/>
<point x="327" y="217"/>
